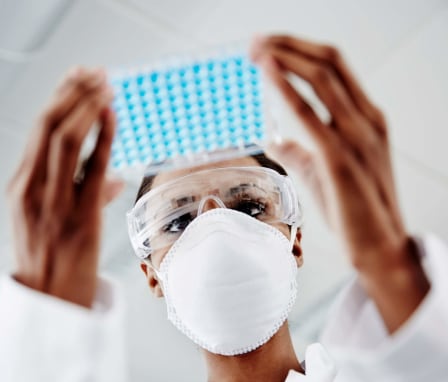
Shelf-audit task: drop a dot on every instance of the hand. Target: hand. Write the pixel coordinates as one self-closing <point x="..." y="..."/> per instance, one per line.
<point x="57" y="221"/>
<point x="350" y="173"/>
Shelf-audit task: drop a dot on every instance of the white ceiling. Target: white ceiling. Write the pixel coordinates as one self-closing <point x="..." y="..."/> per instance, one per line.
<point x="398" y="48"/>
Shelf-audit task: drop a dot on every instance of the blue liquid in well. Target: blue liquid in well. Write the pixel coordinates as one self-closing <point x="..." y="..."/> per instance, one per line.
<point x="196" y="107"/>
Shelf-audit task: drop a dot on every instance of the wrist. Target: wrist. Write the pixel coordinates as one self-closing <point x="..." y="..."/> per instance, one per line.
<point x="397" y="285"/>
<point x="79" y="289"/>
<point x="399" y="278"/>
<point x="400" y="256"/>
<point x="398" y="267"/>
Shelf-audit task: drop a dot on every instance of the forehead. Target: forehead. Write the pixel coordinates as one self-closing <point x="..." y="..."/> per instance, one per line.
<point x="165" y="177"/>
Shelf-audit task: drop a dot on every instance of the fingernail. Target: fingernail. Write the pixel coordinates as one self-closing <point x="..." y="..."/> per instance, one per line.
<point x="96" y="77"/>
<point x="97" y="70"/>
<point x="256" y="46"/>
<point x="116" y="186"/>
<point x="259" y="39"/>
<point x="269" y="64"/>
<point x="107" y="92"/>
<point x="76" y="71"/>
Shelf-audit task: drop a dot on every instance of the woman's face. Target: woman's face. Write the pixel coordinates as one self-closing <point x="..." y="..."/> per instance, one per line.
<point x="165" y="177"/>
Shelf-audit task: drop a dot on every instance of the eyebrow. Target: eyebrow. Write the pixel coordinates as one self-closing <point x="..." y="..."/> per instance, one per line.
<point x="174" y="203"/>
<point x="185" y="199"/>
<point x="179" y="202"/>
<point x="235" y="189"/>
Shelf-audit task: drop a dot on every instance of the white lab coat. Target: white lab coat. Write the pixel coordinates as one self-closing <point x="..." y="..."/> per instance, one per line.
<point x="46" y="339"/>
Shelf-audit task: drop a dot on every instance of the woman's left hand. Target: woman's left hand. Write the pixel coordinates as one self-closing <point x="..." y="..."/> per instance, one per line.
<point x="350" y="173"/>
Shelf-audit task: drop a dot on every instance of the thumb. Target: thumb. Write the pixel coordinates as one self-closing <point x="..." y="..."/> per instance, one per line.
<point x="295" y="157"/>
<point x="111" y="189"/>
<point x="292" y="155"/>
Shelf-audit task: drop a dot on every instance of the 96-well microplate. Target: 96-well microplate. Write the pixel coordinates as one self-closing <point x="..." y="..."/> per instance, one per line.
<point x="185" y="113"/>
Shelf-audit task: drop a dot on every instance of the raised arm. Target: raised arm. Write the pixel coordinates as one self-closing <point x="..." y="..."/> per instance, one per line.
<point x="350" y="173"/>
<point x="59" y="321"/>
<point x="57" y="219"/>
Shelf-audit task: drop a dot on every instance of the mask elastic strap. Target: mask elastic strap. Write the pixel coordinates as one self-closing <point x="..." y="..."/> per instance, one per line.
<point x="158" y="274"/>
<point x="294" y="229"/>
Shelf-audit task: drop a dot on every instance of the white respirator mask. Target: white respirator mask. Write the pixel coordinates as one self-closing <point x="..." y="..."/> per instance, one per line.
<point x="229" y="281"/>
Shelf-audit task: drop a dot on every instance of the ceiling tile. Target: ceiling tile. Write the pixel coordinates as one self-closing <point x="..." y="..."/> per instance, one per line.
<point x="412" y="88"/>
<point x="11" y="148"/>
<point x="366" y="31"/>
<point x="93" y="33"/>
<point x="423" y="195"/>
<point x="181" y="16"/>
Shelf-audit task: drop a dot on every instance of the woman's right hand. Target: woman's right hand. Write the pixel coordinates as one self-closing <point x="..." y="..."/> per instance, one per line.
<point x="57" y="219"/>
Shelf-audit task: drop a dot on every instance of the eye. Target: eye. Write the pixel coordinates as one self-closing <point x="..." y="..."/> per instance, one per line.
<point x="251" y="208"/>
<point x="178" y="224"/>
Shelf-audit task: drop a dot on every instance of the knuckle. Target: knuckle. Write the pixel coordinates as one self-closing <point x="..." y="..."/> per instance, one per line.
<point x="373" y="147"/>
<point x="46" y="118"/>
<point x="79" y="86"/>
<point x="24" y="199"/>
<point x="377" y="115"/>
<point x="287" y="39"/>
<point x="337" y="158"/>
<point x="75" y="73"/>
<point x="301" y="108"/>
<point x="331" y="53"/>
<point x="95" y="102"/>
<point x="49" y="225"/>
<point x="384" y="134"/>
<point x="320" y="76"/>
<point x="379" y="120"/>
<point x="68" y="140"/>
<point x="338" y="164"/>
<point x="342" y="170"/>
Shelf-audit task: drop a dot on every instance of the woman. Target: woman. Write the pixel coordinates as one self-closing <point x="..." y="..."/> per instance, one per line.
<point x="390" y="319"/>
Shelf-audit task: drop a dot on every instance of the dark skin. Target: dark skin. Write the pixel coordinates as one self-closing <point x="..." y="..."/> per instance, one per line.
<point x="270" y="362"/>
<point x="350" y="173"/>
<point x="57" y="222"/>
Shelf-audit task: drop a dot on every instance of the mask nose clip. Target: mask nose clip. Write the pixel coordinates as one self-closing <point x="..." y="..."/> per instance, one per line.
<point x="207" y="198"/>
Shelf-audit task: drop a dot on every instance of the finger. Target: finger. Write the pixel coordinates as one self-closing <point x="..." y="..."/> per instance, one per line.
<point x="348" y="136"/>
<point x="112" y="188"/>
<point x="325" y="84"/>
<point x="331" y="56"/>
<point x="77" y="84"/>
<point x="66" y="144"/>
<point x="298" y="159"/>
<point x="92" y="187"/>
<point x="290" y="154"/>
<point x="369" y="144"/>
<point x="351" y="126"/>
<point x="321" y="134"/>
<point x="336" y="159"/>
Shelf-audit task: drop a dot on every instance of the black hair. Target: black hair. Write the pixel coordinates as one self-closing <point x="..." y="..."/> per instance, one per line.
<point x="261" y="158"/>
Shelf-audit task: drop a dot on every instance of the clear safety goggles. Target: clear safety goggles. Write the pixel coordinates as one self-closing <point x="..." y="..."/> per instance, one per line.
<point x="161" y="215"/>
